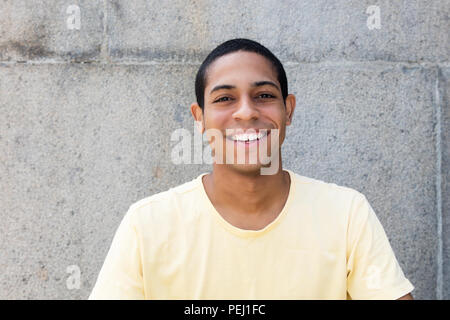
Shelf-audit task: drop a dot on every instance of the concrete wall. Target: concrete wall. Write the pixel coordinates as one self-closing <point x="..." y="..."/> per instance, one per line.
<point x="86" y="117"/>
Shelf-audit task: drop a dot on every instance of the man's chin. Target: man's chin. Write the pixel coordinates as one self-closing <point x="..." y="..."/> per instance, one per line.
<point x="253" y="167"/>
<point x="247" y="169"/>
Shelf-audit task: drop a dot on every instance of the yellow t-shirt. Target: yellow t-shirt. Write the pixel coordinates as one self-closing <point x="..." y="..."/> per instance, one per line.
<point x="326" y="243"/>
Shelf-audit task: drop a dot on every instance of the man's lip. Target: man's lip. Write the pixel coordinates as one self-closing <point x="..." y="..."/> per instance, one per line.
<point x="231" y="136"/>
<point x="247" y="131"/>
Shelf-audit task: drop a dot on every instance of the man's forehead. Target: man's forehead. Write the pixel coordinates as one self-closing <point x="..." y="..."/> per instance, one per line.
<point x="240" y="67"/>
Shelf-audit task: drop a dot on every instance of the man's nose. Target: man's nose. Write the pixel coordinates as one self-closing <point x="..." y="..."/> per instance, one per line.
<point x="246" y="110"/>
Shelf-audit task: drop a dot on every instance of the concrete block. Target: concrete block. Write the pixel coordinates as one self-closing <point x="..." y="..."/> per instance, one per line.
<point x="372" y="128"/>
<point x="297" y="31"/>
<point x="444" y="92"/>
<point x="49" y="29"/>
<point x="80" y="144"/>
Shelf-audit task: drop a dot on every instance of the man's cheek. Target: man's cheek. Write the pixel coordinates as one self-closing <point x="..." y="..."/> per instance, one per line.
<point x="216" y="142"/>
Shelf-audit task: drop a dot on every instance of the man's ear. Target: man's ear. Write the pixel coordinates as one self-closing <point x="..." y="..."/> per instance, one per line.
<point x="290" y="107"/>
<point x="197" y="113"/>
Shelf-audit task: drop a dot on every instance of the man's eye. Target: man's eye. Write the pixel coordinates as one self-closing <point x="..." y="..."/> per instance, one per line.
<point x="266" y="96"/>
<point x="223" y="99"/>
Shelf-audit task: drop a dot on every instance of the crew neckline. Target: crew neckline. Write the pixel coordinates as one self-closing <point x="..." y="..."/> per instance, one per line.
<point x="246" y="233"/>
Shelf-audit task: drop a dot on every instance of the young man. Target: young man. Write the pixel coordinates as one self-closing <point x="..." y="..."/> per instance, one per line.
<point x="237" y="233"/>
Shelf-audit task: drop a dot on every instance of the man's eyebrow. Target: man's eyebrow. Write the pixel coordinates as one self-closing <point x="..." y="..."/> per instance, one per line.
<point x="222" y="86"/>
<point x="263" y="83"/>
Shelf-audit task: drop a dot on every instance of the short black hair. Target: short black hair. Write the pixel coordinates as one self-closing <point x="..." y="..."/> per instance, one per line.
<point x="233" y="46"/>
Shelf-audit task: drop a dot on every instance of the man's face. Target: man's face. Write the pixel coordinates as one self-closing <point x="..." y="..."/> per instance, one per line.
<point x="242" y="96"/>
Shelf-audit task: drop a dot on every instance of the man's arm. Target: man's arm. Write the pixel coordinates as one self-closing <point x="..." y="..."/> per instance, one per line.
<point x="373" y="272"/>
<point x="121" y="276"/>
<point x="406" y="297"/>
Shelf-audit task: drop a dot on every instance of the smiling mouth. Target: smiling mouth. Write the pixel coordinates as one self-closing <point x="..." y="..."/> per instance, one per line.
<point x="249" y="138"/>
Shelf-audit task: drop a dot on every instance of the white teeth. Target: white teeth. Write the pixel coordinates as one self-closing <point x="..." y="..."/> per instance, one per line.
<point x="249" y="137"/>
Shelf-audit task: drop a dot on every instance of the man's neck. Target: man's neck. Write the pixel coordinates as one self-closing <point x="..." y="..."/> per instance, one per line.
<point x="249" y="194"/>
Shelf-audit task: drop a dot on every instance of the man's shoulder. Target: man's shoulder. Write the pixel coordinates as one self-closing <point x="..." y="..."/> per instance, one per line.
<point x="332" y="203"/>
<point x="335" y="195"/>
<point x="170" y="199"/>
<point x="316" y="185"/>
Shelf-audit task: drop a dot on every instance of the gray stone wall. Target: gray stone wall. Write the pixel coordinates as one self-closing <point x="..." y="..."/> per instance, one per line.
<point x="88" y="105"/>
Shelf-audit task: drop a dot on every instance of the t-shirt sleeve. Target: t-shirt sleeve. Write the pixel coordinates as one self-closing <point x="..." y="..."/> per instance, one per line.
<point x="373" y="271"/>
<point x="121" y="275"/>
